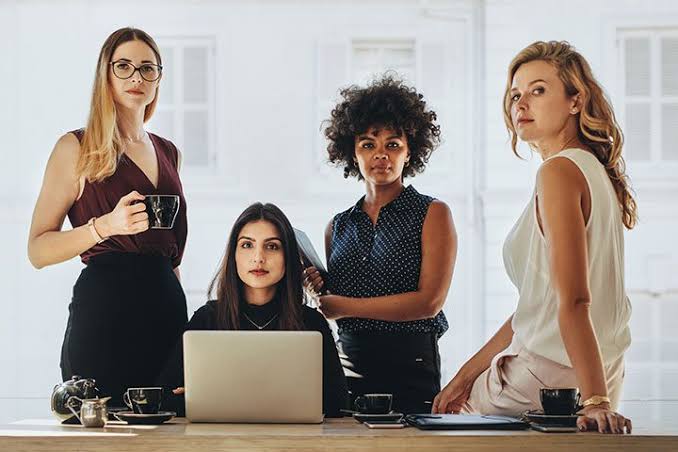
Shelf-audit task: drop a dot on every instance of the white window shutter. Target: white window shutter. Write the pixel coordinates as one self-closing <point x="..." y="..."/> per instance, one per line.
<point x="669" y="67"/>
<point x="637" y="67"/>
<point x="186" y="107"/>
<point x="637" y="131"/>
<point x="196" y="115"/>
<point x="638" y="82"/>
<point x="195" y="74"/>
<point x="670" y="132"/>
<point x="371" y="58"/>
<point x="196" y="137"/>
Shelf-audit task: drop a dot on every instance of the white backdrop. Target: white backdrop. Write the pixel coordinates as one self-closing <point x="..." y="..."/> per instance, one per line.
<point x="245" y="89"/>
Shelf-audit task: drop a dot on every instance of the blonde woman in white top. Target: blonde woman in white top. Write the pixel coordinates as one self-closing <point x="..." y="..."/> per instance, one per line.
<point x="565" y="254"/>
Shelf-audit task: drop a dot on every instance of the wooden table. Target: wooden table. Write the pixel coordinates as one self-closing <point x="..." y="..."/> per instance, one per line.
<point x="334" y="434"/>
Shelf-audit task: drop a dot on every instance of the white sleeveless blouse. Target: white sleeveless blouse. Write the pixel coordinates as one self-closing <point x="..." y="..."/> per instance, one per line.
<point x="535" y="322"/>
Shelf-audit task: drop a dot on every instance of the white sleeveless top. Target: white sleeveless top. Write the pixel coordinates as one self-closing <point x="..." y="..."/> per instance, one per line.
<point x="535" y="322"/>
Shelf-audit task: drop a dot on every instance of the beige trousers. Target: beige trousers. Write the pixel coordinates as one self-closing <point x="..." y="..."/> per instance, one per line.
<point x="510" y="386"/>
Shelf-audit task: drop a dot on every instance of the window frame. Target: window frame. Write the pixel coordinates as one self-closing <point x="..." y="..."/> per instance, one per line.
<point x="193" y="174"/>
<point x="653" y="174"/>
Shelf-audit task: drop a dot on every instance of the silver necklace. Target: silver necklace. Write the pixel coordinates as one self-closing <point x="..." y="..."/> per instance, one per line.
<point x="257" y="325"/>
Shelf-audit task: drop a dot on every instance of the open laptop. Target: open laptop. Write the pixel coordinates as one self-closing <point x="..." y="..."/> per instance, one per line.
<point x="253" y="376"/>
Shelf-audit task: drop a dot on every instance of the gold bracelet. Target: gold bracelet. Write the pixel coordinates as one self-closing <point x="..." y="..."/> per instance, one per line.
<point x="93" y="231"/>
<point x="595" y="400"/>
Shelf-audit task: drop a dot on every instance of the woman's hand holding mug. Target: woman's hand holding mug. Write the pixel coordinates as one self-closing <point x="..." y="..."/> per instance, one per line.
<point x="129" y="217"/>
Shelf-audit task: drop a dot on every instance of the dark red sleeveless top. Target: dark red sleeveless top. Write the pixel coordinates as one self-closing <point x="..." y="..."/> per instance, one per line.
<point x="100" y="198"/>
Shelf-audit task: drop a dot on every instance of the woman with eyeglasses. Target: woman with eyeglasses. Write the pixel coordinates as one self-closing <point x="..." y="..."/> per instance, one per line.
<point x="128" y="306"/>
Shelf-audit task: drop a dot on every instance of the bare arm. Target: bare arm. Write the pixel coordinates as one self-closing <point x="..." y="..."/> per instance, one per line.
<point x="439" y="252"/>
<point x="455" y="394"/>
<point x="47" y="244"/>
<point x="481" y="360"/>
<point x="560" y="191"/>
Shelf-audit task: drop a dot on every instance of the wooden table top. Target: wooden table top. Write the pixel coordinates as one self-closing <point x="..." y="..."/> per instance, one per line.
<point x="48" y="435"/>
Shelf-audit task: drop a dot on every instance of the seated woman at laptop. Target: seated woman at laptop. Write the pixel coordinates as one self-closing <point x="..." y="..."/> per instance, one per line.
<point x="565" y="253"/>
<point x="391" y="255"/>
<point x="259" y="287"/>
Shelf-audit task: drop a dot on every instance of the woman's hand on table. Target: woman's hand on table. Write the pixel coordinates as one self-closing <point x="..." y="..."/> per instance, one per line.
<point x="453" y="396"/>
<point x="602" y="418"/>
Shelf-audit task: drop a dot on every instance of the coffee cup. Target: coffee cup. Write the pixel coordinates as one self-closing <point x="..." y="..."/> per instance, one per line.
<point x="559" y="401"/>
<point x="162" y="210"/>
<point x="374" y="403"/>
<point x="143" y="400"/>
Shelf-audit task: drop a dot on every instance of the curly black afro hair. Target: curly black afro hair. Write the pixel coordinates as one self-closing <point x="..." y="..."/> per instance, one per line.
<point x="387" y="102"/>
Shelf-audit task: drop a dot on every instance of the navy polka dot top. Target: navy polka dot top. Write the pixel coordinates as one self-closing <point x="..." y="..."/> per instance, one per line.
<point x="385" y="259"/>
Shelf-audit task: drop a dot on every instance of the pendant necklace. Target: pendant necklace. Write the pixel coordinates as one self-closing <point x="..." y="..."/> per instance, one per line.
<point x="260" y="327"/>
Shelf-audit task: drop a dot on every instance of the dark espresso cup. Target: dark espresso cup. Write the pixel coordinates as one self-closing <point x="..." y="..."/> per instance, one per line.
<point x="374" y="403"/>
<point x="143" y="400"/>
<point x="162" y="210"/>
<point x="559" y="401"/>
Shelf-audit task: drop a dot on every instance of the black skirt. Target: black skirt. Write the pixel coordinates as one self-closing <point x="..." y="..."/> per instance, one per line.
<point x="406" y="365"/>
<point x="127" y="312"/>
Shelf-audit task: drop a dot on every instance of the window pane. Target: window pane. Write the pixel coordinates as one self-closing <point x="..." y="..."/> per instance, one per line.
<point x="195" y="74"/>
<point x="371" y="58"/>
<point x="637" y="67"/>
<point x="670" y="132"/>
<point x="670" y="66"/>
<point x="638" y="131"/>
<point x="162" y="123"/>
<point x="399" y="57"/>
<point x="363" y="56"/>
<point x="196" y="150"/>
<point x="167" y="84"/>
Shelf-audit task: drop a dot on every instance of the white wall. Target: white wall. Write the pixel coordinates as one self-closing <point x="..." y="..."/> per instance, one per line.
<point x="267" y="142"/>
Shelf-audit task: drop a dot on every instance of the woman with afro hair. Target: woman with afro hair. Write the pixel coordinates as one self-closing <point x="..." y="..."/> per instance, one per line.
<point x="391" y="255"/>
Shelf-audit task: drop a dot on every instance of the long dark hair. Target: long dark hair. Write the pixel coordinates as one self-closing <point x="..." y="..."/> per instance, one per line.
<point x="227" y="286"/>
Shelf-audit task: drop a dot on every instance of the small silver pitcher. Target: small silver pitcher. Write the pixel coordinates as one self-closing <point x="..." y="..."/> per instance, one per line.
<point x="93" y="412"/>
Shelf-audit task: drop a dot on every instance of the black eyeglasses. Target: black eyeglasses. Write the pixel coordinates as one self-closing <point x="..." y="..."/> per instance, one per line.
<point x="124" y="69"/>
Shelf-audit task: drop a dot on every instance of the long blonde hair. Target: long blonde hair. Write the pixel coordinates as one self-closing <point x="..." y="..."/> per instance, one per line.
<point x="598" y="128"/>
<point x="101" y="145"/>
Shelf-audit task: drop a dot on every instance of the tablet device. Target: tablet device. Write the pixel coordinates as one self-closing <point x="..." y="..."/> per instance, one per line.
<point x="464" y="422"/>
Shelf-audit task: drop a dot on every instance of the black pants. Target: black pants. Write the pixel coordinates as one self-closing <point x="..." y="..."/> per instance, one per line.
<point x="127" y="312"/>
<point x="402" y="364"/>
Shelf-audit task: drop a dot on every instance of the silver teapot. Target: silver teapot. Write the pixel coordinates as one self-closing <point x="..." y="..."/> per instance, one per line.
<point x="78" y="389"/>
